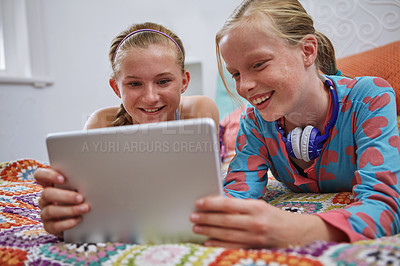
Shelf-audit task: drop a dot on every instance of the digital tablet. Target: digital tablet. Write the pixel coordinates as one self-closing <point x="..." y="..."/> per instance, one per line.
<point x="141" y="181"/>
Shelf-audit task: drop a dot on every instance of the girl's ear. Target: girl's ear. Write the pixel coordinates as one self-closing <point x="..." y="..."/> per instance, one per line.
<point x="185" y="81"/>
<point x="309" y="49"/>
<point x="114" y="86"/>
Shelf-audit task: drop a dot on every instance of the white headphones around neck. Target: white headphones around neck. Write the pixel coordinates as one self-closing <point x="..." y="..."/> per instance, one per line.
<point x="307" y="143"/>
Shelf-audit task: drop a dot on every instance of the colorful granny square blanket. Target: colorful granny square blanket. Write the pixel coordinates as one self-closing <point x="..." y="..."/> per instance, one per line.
<point x="23" y="241"/>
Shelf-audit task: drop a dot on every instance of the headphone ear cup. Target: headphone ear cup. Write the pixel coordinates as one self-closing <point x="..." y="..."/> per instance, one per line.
<point x="294" y="138"/>
<point x="309" y="147"/>
<point x="304" y="143"/>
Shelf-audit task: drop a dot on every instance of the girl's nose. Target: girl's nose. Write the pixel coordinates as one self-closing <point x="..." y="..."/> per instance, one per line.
<point x="150" y="95"/>
<point x="246" y="84"/>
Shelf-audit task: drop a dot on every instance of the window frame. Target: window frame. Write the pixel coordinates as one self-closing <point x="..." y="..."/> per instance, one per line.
<point x="24" y="55"/>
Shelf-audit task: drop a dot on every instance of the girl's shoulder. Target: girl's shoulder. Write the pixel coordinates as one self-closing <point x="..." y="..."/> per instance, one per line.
<point x="359" y="87"/>
<point x="103" y="117"/>
<point x="197" y="101"/>
<point x="198" y="106"/>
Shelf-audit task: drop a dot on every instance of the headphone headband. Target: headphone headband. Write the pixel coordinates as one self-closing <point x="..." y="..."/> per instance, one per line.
<point x="335" y="111"/>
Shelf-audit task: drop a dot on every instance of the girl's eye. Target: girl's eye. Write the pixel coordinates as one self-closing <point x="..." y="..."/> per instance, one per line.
<point x="258" y="65"/>
<point x="135" y="84"/>
<point x="164" y="81"/>
<point x="235" y="75"/>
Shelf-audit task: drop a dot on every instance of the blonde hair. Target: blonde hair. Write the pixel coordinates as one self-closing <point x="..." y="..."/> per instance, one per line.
<point x="290" y="21"/>
<point x="141" y="39"/>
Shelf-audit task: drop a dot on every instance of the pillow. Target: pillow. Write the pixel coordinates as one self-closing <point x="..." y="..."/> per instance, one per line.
<point x="381" y="62"/>
<point x="230" y="127"/>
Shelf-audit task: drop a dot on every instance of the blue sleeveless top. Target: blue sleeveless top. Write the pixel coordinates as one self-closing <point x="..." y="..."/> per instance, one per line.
<point x="177" y="117"/>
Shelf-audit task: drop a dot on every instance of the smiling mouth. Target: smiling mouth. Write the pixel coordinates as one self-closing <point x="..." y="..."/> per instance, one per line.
<point x="260" y="100"/>
<point x="151" y="110"/>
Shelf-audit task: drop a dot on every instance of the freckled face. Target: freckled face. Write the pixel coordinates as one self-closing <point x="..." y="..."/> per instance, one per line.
<point x="268" y="72"/>
<point x="150" y="82"/>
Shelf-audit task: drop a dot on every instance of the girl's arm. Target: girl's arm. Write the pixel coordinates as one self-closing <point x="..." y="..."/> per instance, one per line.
<point x="376" y="210"/>
<point x="248" y="171"/>
<point x="240" y="223"/>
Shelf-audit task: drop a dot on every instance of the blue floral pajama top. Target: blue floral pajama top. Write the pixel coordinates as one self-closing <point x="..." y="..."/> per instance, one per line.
<point x="361" y="155"/>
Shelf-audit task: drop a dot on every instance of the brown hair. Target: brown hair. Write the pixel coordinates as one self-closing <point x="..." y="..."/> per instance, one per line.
<point x="290" y="21"/>
<point x="140" y="40"/>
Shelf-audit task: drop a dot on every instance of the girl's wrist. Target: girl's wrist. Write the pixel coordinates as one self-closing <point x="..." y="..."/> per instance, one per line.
<point x="314" y="228"/>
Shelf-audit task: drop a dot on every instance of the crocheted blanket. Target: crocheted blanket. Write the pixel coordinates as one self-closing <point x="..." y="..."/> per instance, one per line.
<point x="23" y="241"/>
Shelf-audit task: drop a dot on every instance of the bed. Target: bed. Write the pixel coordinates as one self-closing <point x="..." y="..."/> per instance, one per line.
<point x="23" y="240"/>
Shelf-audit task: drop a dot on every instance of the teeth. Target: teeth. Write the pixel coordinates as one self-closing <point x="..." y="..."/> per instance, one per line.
<point x="152" y="110"/>
<point x="260" y="100"/>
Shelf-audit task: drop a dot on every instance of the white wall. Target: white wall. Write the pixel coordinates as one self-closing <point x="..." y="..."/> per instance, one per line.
<point x="356" y="25"/>
<point x="77" y="38"/>
<point x="77" y="34"/>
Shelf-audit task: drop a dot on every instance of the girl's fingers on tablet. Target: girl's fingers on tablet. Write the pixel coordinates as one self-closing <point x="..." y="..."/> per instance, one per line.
<point x="58" y="212"/>
<point x="230" y="205"/>
<point x="59" y="196"/>
<point x="58" y="227"/>
<point x="220" y="219"/>
<point x="48" y="177"/>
